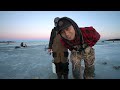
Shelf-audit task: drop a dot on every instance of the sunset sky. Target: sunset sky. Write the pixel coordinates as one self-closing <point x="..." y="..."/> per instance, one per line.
<point x="37" y="25"/>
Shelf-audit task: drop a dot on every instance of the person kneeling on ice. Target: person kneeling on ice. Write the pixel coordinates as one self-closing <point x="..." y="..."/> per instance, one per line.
<point x="59" y="53"/>
<point x="80" y="42"/>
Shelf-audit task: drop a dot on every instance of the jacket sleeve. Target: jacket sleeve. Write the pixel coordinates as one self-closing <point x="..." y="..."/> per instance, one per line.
<point x="95" y="36"/>
<point x="52" y="36"/>
<point x="90" y="35"/>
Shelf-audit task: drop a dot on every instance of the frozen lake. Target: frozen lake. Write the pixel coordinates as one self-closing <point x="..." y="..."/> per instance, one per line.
<point x="33" y="62"/>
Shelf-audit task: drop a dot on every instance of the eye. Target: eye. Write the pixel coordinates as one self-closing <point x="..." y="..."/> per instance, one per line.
<point x="68" y="29"/>
<point x="62" y="32"/>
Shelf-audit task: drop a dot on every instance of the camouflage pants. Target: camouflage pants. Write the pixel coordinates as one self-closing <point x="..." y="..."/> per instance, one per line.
<point x="88" y="55"/>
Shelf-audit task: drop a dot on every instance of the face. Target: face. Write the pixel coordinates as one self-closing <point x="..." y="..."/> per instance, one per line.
<point x="68" y="33"/>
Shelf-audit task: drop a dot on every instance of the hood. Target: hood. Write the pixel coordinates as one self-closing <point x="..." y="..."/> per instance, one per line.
<point x="72" y="23"/>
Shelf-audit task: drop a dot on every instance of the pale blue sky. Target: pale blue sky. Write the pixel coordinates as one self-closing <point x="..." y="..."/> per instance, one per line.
<point x="37" y="25"/>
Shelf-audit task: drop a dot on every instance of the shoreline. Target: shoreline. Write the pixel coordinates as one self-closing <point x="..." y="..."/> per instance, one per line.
<point x="113" y="40"/>
<point x="7" y="41"/>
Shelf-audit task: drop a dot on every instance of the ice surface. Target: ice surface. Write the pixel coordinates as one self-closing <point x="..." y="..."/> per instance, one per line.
<point x="33" y="62"/>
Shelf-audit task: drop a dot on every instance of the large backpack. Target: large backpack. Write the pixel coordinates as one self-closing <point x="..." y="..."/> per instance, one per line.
<point x="57" y="45"/>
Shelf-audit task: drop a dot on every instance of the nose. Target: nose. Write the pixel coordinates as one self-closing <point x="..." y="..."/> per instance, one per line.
<point x="66" y="32"/>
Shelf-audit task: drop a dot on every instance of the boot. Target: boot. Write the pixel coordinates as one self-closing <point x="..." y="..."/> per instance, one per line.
<point x="89" y="72"/>
<point x="65" y="76"/>
<point x="59" y="76"/>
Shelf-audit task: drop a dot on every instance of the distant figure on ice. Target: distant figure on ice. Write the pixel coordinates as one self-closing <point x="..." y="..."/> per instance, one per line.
<point x="103" y="41"/>
<point x="22" y="45"/>
<point x="60" y="53"/>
